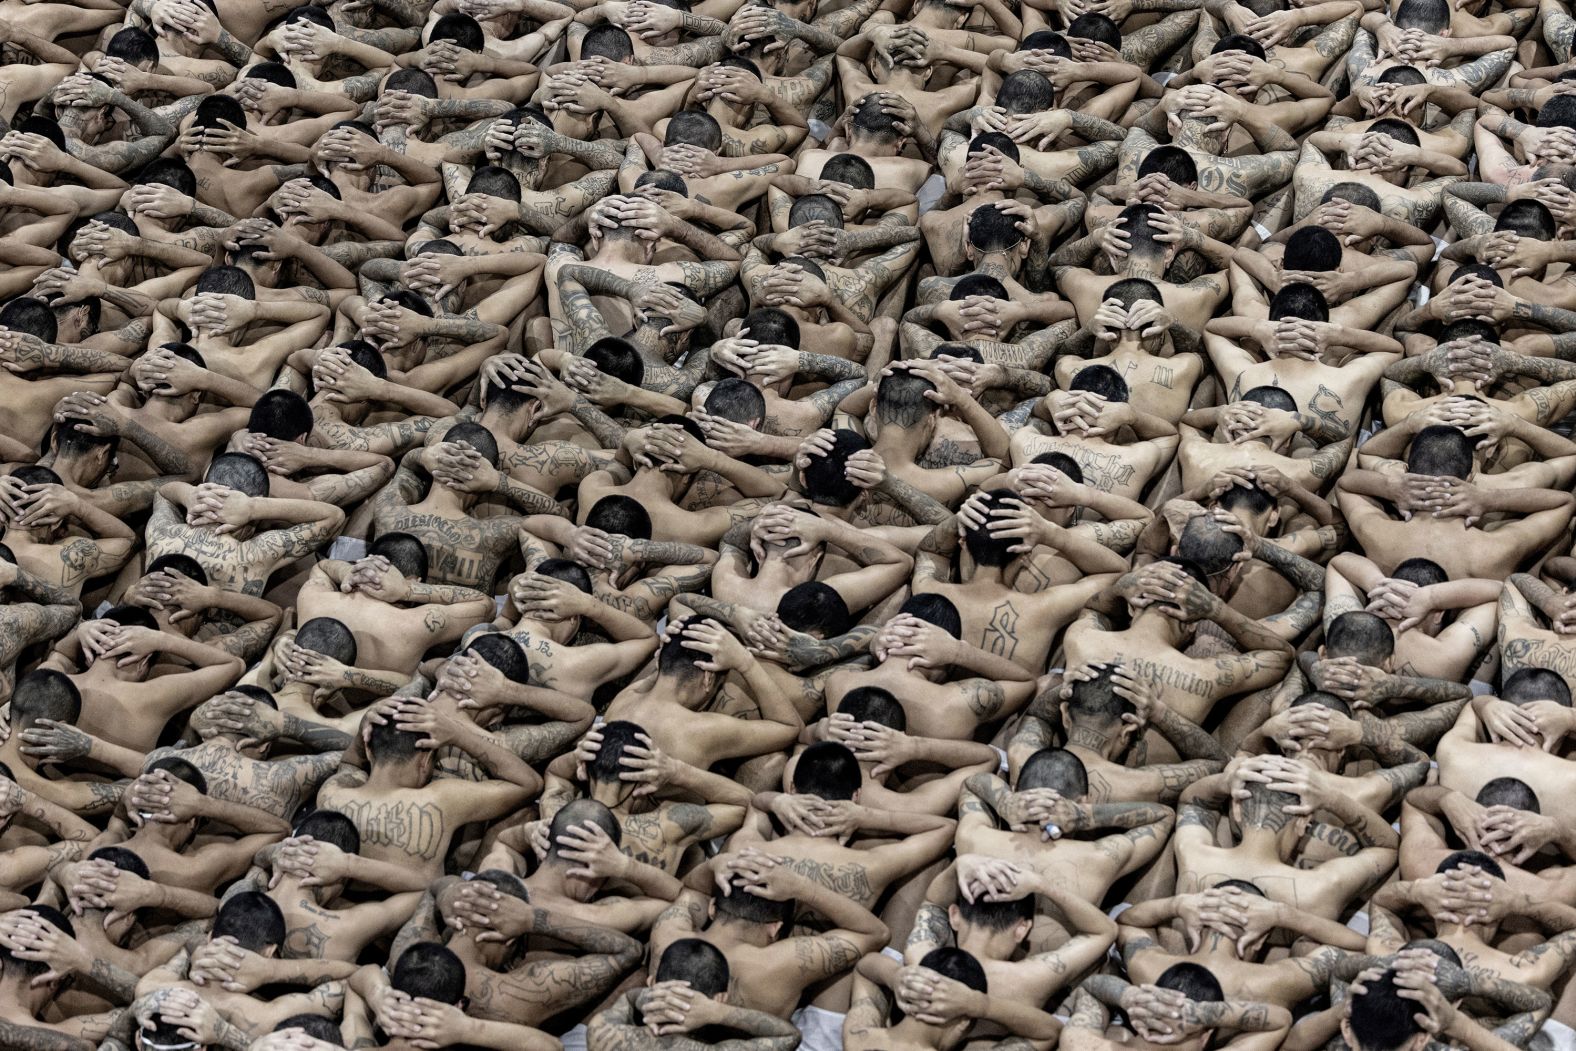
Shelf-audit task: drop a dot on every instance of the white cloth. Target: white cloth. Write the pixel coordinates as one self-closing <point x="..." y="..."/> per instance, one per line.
<point x="930" y="192"/>
<point x="822" y="1029"/>
<point x="347" y="549"/>
<point x="887" y="950"/>
<point x="1554" y="1036"/>
<point x="575" y="1039"/>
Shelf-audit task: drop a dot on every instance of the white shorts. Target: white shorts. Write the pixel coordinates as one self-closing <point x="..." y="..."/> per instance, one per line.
<point x="822" y="1029"/>
<point x="575" y="1039"/>
<point x="1554" y="1036"/>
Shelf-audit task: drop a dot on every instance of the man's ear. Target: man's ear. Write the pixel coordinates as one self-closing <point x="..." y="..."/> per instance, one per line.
<point x="1020" y="930"/>
<point x="775" y="928"/>
<point x="954" y="917"/>
<point x="1066" y="720"/>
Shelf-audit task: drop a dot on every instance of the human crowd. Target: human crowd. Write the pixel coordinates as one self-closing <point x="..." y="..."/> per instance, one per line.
<point x="895" y="525"/>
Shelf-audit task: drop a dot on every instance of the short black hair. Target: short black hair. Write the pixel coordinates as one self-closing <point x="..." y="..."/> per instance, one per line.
<point x="44" y="693"/>
<point x="1526" y="685"/>
<point x="1056" y="769"/>
<point x="694" y="127"/>
<point x="462" y="29"/>
<point x="315" y="1026"/>
<point x="179" y="769"/>
<point x="851" y="170"/>
<point x="990" y="229"/>
<point x="978" y="285"/>
<point x="430" y="970"/>
<point x="1431" y="16"/>
<point x="571" y="573"/>
<point x="825" y="481"/>
<point x="1475" y="858"/>
<point x="1063" y="463"/>
<point x="1205" y="541"/>
<point x="29" y="315"/>
<point x="1097" y="27"/>
<point x="814" y="606"/>
<point x="1511" y="792"/>
<point x="1095" y="700"/>
<point x="1421" y="571"/>
<point x="816" y="207"/>
<point x="873" y="704"/>
<point x="617" y="735"/>
<point x="1193" y="981"/>
<point x="1271" y="398"/>
<point x="996" y="915"/>
<point x="215" y="108"/>
<point x="956" y="964"/>
<point x="1527" y="219"/>
<point x="1380" y="1019"/>
<point x="1403" y="76"/>
<point x="935" y="608"/>
<point x="1357" y="633"/>
<point x="617" y="357"/>
<point x="494" y="181"/>
<point x="1046" y="40"/>
<point x="736" y="399"/>
<point x="1395" y="128"/>
<point x="1239" y="42"/>
<point x="27" y="970"/>
<point x="1312" y="248"/>
<point x="699" y="963"/>
<point x="1479" y="270"/>
<point x="415" y="81"/>
<point x="1300" y="300"/>
<point x="771" y="325"/>
<point x="132" y="45"/>
<point x="605" y="40"/>
<point x="581" y="812"/>
<point x="827" y="769"/>
<point x="1352" y="193"/>
<point x="744" y="904"/>
<point x="621" y="515"/>
<point x="252" y="918"/>
<point x="242" y="472"/>
<point x="663" y="179"/>
<point x="123" y="858"/>
<point x="131" y="617"/>
<point x="676" y="656"/>
<point x="870" y="119"/>
<point x="168" y="171"/>
<point x="281" y="414"/>
<point x="330" y="826"/>
<point x="1248" y="499"/>
<point x="270" y="72"/>
<point x="1558" y="112"/>
<point x="901" y="399"/>
<point x="1175" y="163"/>
<point x="1102" y="380"/>
<point x="404" y="552"/>
<point x="1026" y="91"/>
<point x="503" y="653"/>
<point x="1440" y="451"/>
<point x="226" y="281"/>
<point x="329" y="637"/>
<point x="984" y="546"/>
<point x="477" y="437"/>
